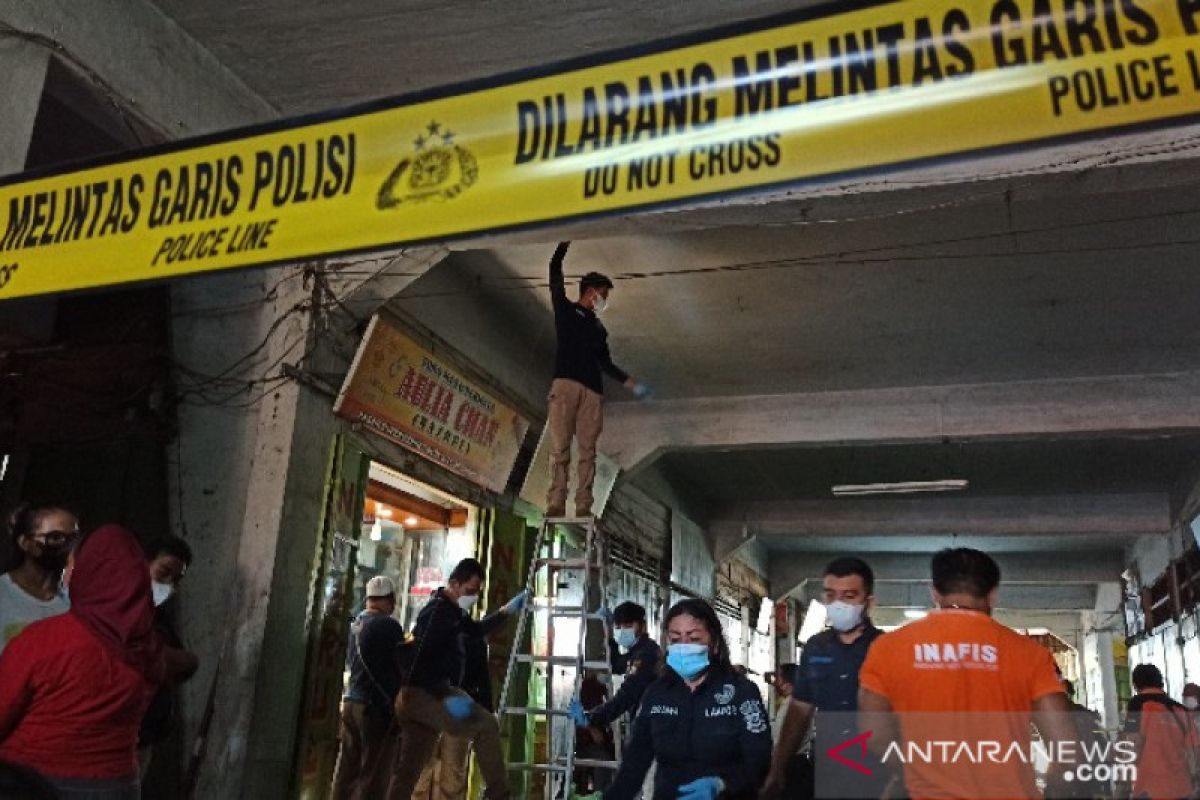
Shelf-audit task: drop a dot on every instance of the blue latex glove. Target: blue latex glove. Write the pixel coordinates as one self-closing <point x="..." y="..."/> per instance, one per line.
<point x="605" y="614"/>
<point x="641" y="391"/>
<point x="702" y="789"/>
<point x="578" y="715"/>
<point x="517" y="603"/>
<point x="458" y="706"/>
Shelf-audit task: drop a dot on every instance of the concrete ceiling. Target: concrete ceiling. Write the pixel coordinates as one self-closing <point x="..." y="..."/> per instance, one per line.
<point x="942" y="296"/>
<point x="1014" y="268"/>
<point x="923" y="545"/>
<point x="993" y="468"/>
<point x="313" y="55"/>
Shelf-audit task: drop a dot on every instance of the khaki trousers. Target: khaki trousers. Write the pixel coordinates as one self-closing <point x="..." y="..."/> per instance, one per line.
<point x="366" y="755"/>
<point x="445" y="777"/>
<point x="423" y="719"/>
<point x="575" y="412"/>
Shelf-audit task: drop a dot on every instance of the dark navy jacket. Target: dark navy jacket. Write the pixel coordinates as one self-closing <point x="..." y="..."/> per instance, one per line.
<point x="721" y="730"/>
<point x="582" y="354"/>
<point x="371" y="660"/>
<point x="827" y="678"/>
<point x="640" y="667"/>
<point x="441" y="634"/>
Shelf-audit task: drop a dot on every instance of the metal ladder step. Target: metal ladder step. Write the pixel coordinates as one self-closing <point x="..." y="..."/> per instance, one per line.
<point x="564" y="661"/>
<point x="592" y="762"/>
<point x="562" y="563"/>
<point x="529" y="711"/>
<point x="575" y="522"/>
<point x="564" y="611"/>
<point x="538" y="767"/>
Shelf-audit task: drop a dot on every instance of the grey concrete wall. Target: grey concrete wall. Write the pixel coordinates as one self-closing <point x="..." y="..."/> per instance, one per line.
<point x="22" y="75"/>
<point x="143" y="63"/>
<point x="467" y="302"/>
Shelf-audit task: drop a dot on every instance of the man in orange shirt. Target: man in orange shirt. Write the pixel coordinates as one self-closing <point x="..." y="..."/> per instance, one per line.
<point x="962" y="688"/>
<point x="1164" y="736"/>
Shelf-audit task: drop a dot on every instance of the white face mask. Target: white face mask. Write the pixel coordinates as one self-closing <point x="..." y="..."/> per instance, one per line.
<point x="599" y="304"/>
<point x="1192" y="702"/>
<point x="161" y="591"/>
<point x="843" y="616"/>
<point x="467" y="601"/>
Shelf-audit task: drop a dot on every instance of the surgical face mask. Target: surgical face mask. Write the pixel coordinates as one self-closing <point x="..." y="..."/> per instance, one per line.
<point x="467" y="601"/>
<point x="52" y="559"/>
<point x="600" y="304"/>
<point x="1192" y="702"/>
<point x="626" y="637"/>
<point x="162" y="592"/>
<point x="688" y="660"/>
<point x="843" y="616"/>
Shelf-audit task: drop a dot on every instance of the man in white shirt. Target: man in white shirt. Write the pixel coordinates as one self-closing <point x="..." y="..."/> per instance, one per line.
<point x="42" y="537"/>
<point x="784" y="685"/>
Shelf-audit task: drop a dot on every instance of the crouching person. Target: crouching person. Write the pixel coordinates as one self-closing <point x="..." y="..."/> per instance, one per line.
<point x="433" y="701"/>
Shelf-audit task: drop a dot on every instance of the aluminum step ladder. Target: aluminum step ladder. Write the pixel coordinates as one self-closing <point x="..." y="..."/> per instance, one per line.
<point x="587" y="576"/>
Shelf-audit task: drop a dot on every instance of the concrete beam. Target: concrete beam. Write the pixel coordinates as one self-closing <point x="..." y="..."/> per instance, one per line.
<point x="1141" y="404"/>
<point x="787" y="572"/>
<point x="160" y="74"/>
<point x="368" y="282"/>
<point x="1133" y="514"/>
<point x="1024" y="597"/>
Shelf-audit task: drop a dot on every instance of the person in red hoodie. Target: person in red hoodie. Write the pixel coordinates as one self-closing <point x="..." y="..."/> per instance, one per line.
<point x="73" y="688"/>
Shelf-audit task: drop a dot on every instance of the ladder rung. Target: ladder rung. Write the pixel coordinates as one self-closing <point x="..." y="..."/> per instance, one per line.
<point x="535" y="712"/>
<point x="565" y="611"/>
<point x="574" y="612"/>
<point x="592" y="762"/>
<point x="578" y="522"/>
<point x="562" y="563"/>
<point x="538" y="767"/>
<point x="563" y="661"/>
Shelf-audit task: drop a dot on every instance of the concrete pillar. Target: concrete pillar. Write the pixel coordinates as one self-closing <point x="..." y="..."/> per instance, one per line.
<point x="22" y="75"/>
<point x="269" y="452"/>
<point x="1108" y="679"/>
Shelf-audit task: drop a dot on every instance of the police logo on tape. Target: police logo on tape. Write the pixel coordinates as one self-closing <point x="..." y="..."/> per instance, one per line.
<point x="439" y="169"/>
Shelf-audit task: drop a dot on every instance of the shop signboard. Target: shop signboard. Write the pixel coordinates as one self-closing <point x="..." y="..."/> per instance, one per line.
<point x="409" y="394"/>
<point x="825" y="90"/>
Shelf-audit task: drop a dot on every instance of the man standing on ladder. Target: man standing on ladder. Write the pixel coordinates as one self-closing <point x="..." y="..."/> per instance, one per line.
<point x="577" y="393"/>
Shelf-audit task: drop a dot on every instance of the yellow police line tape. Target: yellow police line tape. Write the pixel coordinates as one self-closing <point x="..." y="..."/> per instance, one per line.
<point x="843" y="88"/>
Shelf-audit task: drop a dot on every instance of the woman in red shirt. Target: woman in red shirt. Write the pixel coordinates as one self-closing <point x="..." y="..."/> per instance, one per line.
<point x="73" y="688"/>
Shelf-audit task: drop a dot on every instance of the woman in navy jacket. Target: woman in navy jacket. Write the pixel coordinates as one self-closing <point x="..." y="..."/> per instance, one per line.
<point x="702" y="723"/>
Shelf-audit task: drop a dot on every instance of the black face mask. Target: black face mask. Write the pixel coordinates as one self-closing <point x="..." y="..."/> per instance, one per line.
<point x="52" y="559"/>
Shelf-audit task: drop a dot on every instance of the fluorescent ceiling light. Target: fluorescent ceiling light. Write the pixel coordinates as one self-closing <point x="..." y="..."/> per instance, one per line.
<point x="411" y="521"/>
<point x="904" y="487"/>
<point x="915" y="613"/>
